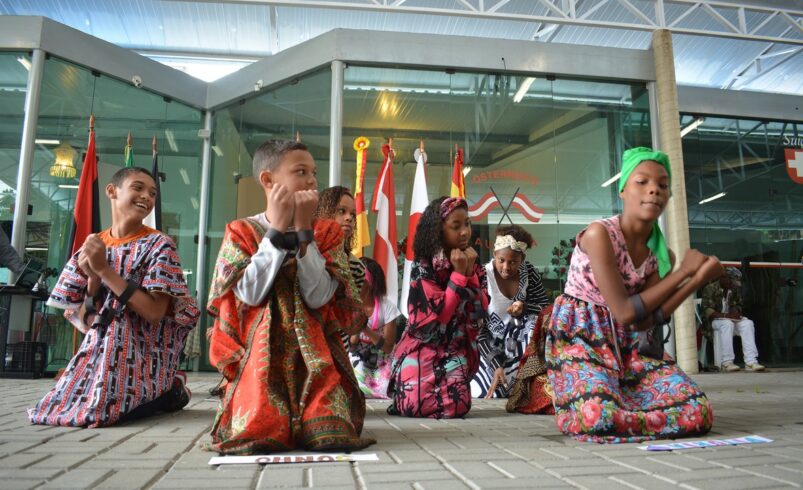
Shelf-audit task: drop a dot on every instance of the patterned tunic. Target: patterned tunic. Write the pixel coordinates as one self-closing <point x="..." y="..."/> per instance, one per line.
<point x="287" y="383"/>
<point x="604" y="390"/>
<point x="503" y="339"/>
<point x="436" y="357"/>
<point x="129" y="362"/>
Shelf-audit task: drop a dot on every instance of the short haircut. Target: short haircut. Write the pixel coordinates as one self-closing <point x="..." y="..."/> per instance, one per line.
<point x="119" y="177"/>
<point x="270" y="153"/>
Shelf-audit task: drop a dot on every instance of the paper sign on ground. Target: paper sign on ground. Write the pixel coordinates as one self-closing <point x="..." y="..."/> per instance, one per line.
<point x="709" y="443"/>
<point x="293" y="458"/>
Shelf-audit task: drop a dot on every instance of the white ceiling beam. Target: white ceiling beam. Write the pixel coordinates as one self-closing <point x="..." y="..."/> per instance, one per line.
<point x="560" y="16"/>
<point x="635" y="11"/>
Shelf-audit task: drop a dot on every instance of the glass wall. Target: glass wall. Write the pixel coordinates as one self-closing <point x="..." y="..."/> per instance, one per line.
<point x="301" y="109"/>
<point x="14" y="69"/>
<point x="69" y="95"/>
<point x="553" y="142"/>
<point x="13" y="85"/>
<point x="745" y="204"/>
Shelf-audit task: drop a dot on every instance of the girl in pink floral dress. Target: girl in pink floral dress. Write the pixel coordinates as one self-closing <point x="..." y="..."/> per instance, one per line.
<point x="370" y="348"/>
<point x="436" y="357"/>
<point x="619" y="283"/>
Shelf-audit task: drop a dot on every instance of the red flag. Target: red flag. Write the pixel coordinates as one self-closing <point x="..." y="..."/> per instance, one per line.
<point x="385" y="252"/>
<point x="86" y="215"/>
<point x="418" y="203"/>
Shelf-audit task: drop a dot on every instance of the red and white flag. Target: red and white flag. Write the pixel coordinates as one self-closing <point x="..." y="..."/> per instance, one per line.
<point x="794" y="164"/>
<point x="384" y="205"/>
<point x="417" y="205"/>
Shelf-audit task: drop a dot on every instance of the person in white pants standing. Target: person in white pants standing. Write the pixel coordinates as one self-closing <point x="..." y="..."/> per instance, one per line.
<point x="722" y="305"/>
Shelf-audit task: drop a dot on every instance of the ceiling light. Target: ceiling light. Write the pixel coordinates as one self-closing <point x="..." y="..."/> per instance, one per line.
<point x="612" y="180"/>
<point x="67" y="186"/>
<point x="713" y="198"/>
<point x="43" y="141"/>
<point x="63" y="167"/>
<point x="194" y="203"/>
<point x="184" y="176"/>
<point x="691" y="127"/>
<point x="523" y="88"/>
<point x="466" y="170"/>
<point x="25" y="62"/>
<point x="217" y="150"/>
<point x="171" y="140"/>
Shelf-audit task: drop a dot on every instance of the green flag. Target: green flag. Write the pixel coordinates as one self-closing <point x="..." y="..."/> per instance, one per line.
<point x="129" y="152"/>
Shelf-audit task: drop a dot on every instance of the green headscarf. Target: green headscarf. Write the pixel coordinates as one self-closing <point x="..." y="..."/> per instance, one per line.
<point x="655" y="242"/>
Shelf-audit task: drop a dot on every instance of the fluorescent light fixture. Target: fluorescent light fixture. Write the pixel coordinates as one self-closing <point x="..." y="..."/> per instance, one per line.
<point x="194" y="203"/>
<point x="713" y="198"/>
<point x="523" y="88"/>
<point x="171" y="140"/>
<point x="612" y="180"/>
<point x="466" y="170"/>
<point x="217" y="150"/>
<point x="67" y="186"/>
<point x="36" y="249"/>
<point x="184" y="176"/>
<point x="25" y="62"/>
<point x="43" y="141"/>
<point x="691" y="127"/>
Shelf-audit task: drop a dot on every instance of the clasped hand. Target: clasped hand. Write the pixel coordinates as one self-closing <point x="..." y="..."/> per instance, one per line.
<point x="286" y="207"/>
<point x="463" y="260"/>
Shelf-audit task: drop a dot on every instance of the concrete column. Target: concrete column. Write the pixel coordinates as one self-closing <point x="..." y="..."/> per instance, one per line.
<point x="27" y="148"/>
<point x="203" y="218"/>
<point x="677" y="218"/>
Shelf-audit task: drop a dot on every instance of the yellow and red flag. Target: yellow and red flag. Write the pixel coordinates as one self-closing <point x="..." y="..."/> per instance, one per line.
<point x="361" y="235"/>
<point x="458" y="180"/>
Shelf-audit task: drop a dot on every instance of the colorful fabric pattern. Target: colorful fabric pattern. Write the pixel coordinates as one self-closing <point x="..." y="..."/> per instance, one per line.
<point x="371" y="364"/>
<point x="128" y="363"/>
<point x="604" y="391"/>
<point x="530" y="391"/>
<point x="503" y="339"/>
<point x="436" y="357"/>
<point x="287" y="382"/>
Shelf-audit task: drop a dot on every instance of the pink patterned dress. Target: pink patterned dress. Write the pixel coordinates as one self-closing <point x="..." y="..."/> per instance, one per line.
<point x="128" y="365"/>
<point x="436" y="357"/>
<point x="604" y="390"/>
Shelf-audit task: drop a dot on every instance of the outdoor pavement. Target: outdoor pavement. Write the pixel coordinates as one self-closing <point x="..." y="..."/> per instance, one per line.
<point x="488" y="449"/>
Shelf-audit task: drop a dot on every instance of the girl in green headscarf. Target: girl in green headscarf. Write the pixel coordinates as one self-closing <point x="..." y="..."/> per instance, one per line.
<point x="620" y="282"/>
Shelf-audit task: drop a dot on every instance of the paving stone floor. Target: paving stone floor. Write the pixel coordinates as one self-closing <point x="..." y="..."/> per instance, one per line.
<point x="488" y="449"/>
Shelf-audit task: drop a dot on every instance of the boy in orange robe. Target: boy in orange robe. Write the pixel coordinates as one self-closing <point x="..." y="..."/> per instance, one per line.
<point x="280" y="294"/>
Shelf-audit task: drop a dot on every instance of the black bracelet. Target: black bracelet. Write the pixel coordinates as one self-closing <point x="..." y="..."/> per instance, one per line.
<point x="638" y="306"/>
<point x="89" y="308"/>
<point x="130" y="288"/>
<point x="282" y="241"/>
<point x="305" y="236"/>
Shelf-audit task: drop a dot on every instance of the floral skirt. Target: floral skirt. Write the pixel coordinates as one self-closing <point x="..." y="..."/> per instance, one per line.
<point x="373" y="379"/>
<point x="604" y="391"/>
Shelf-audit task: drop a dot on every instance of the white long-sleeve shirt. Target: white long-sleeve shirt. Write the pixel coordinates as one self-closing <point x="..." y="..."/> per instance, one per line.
<point x="317" y="286"/>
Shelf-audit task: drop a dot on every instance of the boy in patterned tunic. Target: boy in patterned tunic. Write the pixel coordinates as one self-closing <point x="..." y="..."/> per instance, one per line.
<point x="125" y="290"/>
<point x="281" y="293"/>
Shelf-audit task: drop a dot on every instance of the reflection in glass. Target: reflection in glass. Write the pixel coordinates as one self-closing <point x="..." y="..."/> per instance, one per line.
<point x="745" y="207"/>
